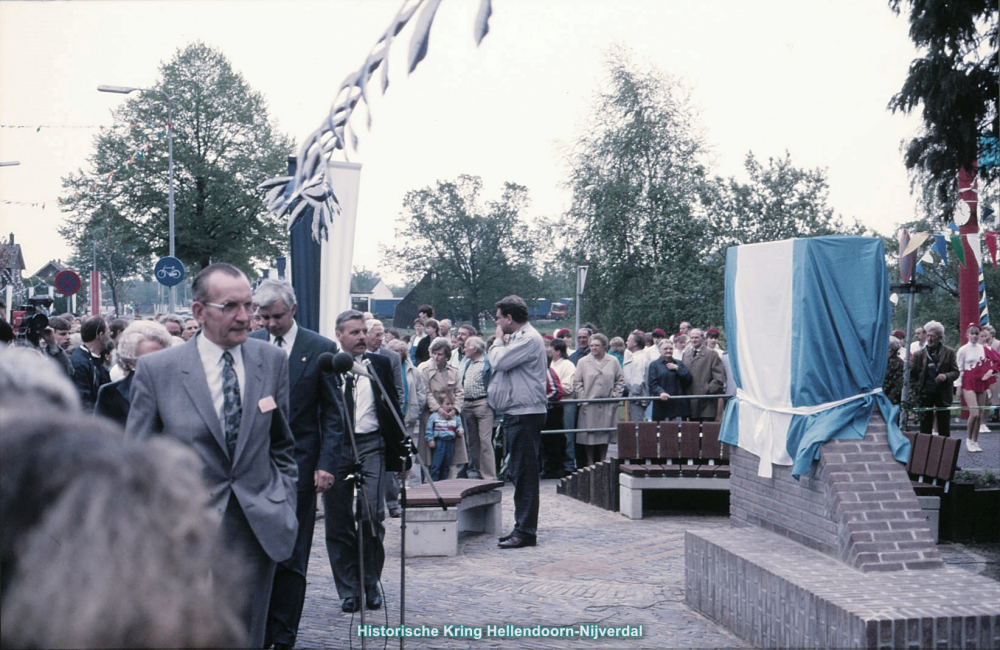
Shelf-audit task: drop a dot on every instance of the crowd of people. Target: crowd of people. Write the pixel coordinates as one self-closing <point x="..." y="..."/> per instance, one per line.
<point x="937" y="371"/>
<point x="238" y="395"/>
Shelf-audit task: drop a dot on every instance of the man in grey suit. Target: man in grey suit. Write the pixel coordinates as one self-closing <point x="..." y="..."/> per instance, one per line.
<point x="226" y="396"/>
<point x="317" y="422"/>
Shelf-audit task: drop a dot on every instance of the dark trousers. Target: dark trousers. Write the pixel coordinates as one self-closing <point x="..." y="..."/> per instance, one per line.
<point x="553" y="446"/>
<point x="289" y="590"/>
<point x="522" y="439"/>
<point x="934" y="400"/>
<point x="241" y="542"/>
<point x="341" y="541"/>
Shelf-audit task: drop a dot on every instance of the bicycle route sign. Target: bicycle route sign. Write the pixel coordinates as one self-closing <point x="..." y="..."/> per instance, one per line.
<point x="67" y="282"/>
<point x="169" y="271"/>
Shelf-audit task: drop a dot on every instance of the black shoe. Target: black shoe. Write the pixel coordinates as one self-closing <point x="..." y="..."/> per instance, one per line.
<point x="517" y="542"/>
<point x="373" y="600"/>
<point x="505" y="537"/>
<point x="395" y="513"/>
<point x="283" y="646"/>
<point x="351" y="604"/>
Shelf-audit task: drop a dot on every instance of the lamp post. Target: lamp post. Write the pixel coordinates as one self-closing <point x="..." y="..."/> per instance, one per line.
<point x="125" y="90"/>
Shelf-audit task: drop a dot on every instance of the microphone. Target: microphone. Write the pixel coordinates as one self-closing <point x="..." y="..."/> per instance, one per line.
<point x="340" y="363"/>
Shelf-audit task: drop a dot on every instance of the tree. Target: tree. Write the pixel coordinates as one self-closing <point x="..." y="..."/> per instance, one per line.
<point x="224" y="145"/>
<point x="956" y="83"/>
<point x="637" y="180"/>
<point x="363" y="279"/>
<point x="477" y="252"/>
<point x="780" y="201"/>
<point x="104" y="241"/>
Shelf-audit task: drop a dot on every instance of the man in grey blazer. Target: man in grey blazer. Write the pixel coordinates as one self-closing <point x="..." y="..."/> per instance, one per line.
<point x="227" y="397"/>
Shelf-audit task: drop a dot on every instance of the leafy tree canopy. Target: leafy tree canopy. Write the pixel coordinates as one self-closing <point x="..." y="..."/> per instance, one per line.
<point x="224" y="145"/>
<point x="956" y="85"/>
<point x="477" y="251"/>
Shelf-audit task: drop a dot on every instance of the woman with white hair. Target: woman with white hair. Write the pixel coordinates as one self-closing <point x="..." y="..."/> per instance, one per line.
<point x="139" y="338"/>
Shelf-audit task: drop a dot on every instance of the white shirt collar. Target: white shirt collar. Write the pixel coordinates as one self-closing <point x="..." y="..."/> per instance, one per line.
<point x="288" y="338"/>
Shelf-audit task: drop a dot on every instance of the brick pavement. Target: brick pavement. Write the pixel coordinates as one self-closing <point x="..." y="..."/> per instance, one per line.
<point x="591" y="566"/>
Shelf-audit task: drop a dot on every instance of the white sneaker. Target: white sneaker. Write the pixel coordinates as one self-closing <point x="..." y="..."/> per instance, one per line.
<point x="983" y="428"/>
<point x="975" y="446"/>
<point x="968" y="445"/>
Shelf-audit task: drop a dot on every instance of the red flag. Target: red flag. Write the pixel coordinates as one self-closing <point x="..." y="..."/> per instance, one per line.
<point x="991" y="244"/>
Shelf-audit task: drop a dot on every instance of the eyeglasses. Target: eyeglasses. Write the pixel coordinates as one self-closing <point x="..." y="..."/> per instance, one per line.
<point x="231" y="307"/>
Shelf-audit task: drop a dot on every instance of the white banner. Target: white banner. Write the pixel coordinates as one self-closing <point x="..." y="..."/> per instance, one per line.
<point x="337" y="256"/>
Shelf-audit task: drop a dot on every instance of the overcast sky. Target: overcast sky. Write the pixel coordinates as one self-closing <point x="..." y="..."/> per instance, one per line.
<point x="810" y="77"/>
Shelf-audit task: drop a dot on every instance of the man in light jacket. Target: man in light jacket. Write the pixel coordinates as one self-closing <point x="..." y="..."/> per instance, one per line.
<point x="517" y="389"/>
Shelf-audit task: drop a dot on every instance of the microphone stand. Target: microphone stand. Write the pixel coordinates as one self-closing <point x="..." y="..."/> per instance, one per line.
<point x="357" y="477"/>
<point x="408" y="445"/>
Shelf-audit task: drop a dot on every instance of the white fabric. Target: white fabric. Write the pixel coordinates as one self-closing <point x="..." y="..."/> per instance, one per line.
<point x="337" y="253"/>
<point x="764" y="301"/>
<point x="211" y="361"/>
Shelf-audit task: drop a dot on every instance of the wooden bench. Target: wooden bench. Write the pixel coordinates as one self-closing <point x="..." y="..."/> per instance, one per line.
<point x="669" y="456"/>
<point x="472" y="505"/>
<point x="932" y="465"/>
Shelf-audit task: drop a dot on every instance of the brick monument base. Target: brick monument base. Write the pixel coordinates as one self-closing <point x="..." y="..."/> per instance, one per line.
<point x="841" y="558"/>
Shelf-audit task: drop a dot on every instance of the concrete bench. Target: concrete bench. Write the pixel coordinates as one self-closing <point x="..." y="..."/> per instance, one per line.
<point x="669" y="456"/>
<point x="473" y="505"/>
<point x="932" y="465"/>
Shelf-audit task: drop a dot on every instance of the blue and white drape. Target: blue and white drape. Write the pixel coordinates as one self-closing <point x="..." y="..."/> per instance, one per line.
<point x="807" y="321"/>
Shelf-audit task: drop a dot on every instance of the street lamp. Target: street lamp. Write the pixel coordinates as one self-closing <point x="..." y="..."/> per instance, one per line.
<point x="124" y="90"/>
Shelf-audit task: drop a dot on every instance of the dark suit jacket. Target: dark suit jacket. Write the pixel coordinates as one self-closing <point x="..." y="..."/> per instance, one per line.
<point x="387" y="426"/>
<point x="89" y="376"/>
<point x="947" y="364"/>
<point x="170" y="396"/>
<point x="316" y="406"/>
<point x="660" y="379"/>
<point x="113" y="400"/>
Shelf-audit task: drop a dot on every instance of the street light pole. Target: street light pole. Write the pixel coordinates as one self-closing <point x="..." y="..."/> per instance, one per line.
<point x="124" y="90"/>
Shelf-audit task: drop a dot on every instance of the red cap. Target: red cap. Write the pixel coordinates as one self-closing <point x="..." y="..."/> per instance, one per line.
<point x="659" y="332"/>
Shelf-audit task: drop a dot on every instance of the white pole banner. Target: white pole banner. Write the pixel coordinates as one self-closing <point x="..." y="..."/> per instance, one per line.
<point x="337" y="255"/>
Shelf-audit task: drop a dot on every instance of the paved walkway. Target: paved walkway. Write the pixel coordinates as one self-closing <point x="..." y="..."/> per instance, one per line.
<point x="591" y="566"/>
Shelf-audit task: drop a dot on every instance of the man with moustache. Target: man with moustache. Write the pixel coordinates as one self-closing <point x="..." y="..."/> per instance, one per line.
<point x="379" y="443"/>
<point x="226" y="396"/>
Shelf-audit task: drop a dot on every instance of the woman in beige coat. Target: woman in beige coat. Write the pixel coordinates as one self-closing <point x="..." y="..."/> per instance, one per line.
<point x="444" y="395"/>
<point x="597" y="375"/>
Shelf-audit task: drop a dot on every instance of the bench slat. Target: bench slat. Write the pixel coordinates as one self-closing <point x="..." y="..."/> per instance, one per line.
<point x="710" y="445"/>
<point x="918" y="457"/>
<point x="626" y="440"/>
<point x="690" y="440"/>
<point x="949" y="459"/>
<point x="669" y="442"/>
<point x="934" y="456"/>
<point x="648" y="443"/>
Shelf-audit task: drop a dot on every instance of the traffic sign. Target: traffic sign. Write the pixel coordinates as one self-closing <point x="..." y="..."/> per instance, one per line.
<point x="169" y="271"/>
<point x="68" y="282"/>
